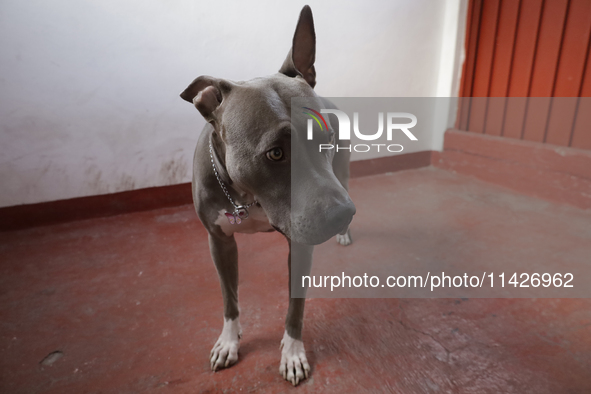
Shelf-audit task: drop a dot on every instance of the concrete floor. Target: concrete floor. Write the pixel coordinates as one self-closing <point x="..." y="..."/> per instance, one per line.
<point x="133" y="304"/>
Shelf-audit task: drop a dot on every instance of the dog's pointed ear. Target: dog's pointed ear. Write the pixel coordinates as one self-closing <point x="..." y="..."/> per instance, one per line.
<point x="300" y="60"/>
<point x="206" y="94"/>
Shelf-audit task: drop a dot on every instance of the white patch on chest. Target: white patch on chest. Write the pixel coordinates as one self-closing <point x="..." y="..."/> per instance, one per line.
<point x="256" y="222"/>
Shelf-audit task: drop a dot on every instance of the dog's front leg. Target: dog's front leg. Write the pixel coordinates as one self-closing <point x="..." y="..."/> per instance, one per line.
<point x="340" y="165"/>
<point x="294" y="365"/>
<point x="224" y="253"/>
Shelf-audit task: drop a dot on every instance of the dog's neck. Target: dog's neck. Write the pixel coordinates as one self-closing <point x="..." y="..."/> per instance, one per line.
<point x="218" y="154"/>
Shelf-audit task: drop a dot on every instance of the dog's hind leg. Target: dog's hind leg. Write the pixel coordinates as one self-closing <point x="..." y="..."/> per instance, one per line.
<point x="224" y="253"/>
<point x="294" y="365"/>
<point x="340" y="166"/>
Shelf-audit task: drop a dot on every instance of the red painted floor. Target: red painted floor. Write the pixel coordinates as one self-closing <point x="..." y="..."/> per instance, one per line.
<point x="134" y="305"/>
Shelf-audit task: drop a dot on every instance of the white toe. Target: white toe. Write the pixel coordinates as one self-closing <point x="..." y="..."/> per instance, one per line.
<point x="294" y="365"/>
<point x="225" y="350"/>
<point x="344" y="239"/>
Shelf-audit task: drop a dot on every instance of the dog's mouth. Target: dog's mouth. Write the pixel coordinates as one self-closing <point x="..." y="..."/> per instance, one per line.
<point x="309" y="230"/>
<point x="278" y="230"/>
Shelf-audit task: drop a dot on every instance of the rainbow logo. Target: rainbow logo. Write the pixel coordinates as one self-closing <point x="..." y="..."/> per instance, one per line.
<point x="316" y="118"/>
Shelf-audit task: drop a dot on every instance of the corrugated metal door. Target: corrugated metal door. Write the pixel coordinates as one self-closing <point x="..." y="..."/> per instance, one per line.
<point x="528" y="48"/>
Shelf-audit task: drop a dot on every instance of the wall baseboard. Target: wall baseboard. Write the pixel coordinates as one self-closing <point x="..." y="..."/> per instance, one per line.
<point x="382" y="165"/>
<point x="550" y="172"/>
<point x="546" y="171"/>
<point x="61" y="211"/>
<point x="80" y="208"/>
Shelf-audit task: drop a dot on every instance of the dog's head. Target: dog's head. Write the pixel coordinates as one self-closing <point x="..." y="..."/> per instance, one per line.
<point x="256" y="145"/>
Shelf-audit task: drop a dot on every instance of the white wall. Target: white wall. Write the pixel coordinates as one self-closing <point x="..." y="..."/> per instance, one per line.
<point x="450" y="69"/>
<point x="89" y="89"/>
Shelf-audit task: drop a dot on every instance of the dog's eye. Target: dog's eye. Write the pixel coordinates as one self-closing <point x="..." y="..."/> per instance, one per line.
<point x="275" y="154"/>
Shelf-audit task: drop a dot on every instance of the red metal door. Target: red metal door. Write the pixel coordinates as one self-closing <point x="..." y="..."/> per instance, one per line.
<point x="517" y="49"/>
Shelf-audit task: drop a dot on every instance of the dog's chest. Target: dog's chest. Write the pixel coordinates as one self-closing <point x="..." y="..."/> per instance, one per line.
<point x="256" y="222"/>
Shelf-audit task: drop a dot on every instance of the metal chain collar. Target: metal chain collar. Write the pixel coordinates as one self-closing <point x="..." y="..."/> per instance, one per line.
<point x="236" y="207"/>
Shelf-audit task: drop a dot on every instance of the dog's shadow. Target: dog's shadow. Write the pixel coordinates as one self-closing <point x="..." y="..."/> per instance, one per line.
<point x="268" y="348"/>
<point x="260" y="344"/>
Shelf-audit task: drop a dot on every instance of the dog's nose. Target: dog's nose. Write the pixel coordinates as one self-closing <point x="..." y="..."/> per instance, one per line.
<point x="339" y="216"/>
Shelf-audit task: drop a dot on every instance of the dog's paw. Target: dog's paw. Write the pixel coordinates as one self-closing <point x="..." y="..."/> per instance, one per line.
<point x="225" y="350"/>
<point x="345" y="239"/>
<point x="294" y="365"/>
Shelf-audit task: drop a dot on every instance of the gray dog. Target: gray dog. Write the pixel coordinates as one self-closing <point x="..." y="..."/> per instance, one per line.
<point x="242" y="182"/>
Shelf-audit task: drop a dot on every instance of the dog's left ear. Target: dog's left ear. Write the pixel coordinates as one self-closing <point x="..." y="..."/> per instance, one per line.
<point x="300" y="60"/>
<point x="205" y="93"/>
